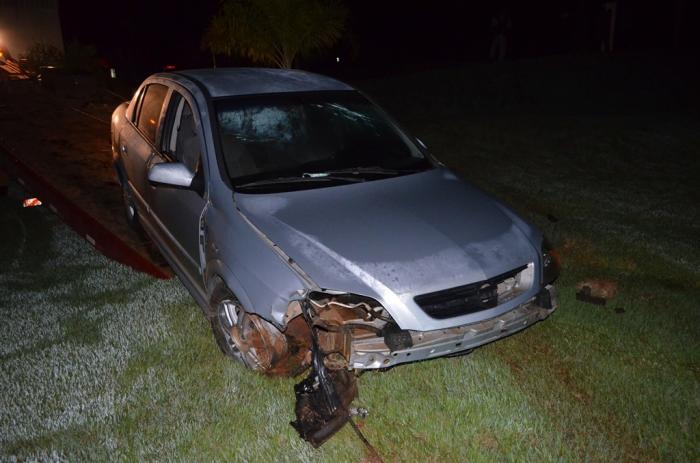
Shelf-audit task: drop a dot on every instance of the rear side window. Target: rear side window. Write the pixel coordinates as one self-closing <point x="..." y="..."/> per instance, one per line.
<point x="132" y="110"/>
<point x="151" y="105"/>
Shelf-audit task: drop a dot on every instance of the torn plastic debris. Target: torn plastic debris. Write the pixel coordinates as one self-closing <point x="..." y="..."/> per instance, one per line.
<point x="324" y="397"/>
<point x="596" y="291"/>
<point x="584" y="295"/>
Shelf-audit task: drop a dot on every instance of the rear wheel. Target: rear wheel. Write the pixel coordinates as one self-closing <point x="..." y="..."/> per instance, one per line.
<point x="132" y="215"/>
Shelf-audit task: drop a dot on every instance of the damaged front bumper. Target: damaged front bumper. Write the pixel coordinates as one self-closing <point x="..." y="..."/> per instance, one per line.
<point x="374" y="352"/>
<point x="353" y="334"/>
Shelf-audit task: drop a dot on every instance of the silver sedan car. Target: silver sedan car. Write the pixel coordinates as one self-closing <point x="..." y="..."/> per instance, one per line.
<point x="314" y="232"/>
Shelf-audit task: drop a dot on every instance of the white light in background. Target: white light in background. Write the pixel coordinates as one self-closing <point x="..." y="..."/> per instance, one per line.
<point x="112" y="73"/>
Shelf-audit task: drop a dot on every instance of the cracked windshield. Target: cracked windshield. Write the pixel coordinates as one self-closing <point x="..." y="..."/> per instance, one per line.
<point x="312" y="137"/>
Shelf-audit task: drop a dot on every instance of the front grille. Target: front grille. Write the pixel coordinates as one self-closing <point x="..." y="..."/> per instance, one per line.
<point x="475" y="297"/>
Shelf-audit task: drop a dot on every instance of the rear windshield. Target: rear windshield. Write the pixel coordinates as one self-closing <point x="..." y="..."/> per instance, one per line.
<point x="271" y="136"/>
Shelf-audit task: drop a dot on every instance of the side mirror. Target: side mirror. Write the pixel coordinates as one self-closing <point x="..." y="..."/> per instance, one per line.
<point x="170" y="174"/>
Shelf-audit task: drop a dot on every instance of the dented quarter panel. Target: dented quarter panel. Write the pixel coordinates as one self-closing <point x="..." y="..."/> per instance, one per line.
<point x="249" y="265"/>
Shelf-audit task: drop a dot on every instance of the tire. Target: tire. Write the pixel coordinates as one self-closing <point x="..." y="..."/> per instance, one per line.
<point x="222" y="307"/>
<point x="245" y="337"/>
<point x="130" y="211"/>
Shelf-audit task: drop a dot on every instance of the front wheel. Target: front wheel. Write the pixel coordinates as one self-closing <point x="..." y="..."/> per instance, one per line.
<point x="245" y="337"/>
<point x="224" y="311"/>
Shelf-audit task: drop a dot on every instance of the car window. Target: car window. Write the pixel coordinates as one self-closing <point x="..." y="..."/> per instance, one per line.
<point x="132" y="109"/>
<point x="149" y="115"/>
<point x="181" y="138"/>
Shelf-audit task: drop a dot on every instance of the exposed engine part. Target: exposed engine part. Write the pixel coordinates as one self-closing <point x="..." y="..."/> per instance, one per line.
<point x="365" y="308"/>
<point x="336" y="321"/>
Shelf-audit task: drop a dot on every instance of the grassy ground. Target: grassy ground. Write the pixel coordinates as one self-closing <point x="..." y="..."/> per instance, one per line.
<point x="98" y="362"/>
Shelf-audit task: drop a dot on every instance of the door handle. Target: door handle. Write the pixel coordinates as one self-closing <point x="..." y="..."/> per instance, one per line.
<point x="124" y="150"/>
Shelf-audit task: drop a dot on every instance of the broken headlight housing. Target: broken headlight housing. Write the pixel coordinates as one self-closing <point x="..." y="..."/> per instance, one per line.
<point x="366" y="308"/>
<point x="550" y="263"/>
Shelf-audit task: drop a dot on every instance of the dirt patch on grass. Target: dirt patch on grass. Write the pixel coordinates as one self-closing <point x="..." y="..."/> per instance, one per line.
<point x="564" y="376"/>
<point x="543" y="353"/>
<point x="560" y="376"/>
<point x="487" y="440"/>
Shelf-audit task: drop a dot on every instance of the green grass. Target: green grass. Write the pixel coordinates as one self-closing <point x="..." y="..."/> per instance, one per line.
<point x="98" y="362"/>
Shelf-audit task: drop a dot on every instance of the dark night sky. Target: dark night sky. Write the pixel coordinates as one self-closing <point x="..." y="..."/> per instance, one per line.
<point x="386" y="35"/>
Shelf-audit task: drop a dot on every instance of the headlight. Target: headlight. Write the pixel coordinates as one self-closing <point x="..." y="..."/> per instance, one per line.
<point x="550" y="263"/>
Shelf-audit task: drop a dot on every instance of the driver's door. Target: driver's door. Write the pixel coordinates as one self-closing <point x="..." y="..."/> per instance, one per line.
<point x="178" y="211"/>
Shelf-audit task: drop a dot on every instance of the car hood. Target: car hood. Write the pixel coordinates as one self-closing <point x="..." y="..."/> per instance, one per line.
<point x="396" y="238"/>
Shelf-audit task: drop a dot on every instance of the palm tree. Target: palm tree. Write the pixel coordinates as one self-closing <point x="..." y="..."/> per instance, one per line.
<point x="275" y="32"/>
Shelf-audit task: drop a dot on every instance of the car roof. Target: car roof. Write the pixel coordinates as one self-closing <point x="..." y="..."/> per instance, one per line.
<point x="223" y="82"/>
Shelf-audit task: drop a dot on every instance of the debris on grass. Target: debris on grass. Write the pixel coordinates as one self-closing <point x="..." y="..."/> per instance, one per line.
<point x="596" y="291"/>
<point x="585" y="295"/>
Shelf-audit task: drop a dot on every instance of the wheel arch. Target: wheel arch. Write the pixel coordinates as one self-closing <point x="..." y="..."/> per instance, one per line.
<point x="218" y="273"/>
<point x="119" y="169"/>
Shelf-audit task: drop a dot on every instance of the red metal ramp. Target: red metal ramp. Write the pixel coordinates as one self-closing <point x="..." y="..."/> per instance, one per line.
<point x="12" y="70"/>
<point x="94" y="232"/>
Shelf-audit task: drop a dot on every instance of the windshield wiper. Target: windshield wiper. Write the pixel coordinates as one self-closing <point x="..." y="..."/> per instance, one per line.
<point x="300" y="179"/>
<point x="372" y="170"/>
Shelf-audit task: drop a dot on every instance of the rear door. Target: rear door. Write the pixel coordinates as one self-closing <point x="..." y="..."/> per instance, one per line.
<point x="178" y="211"/>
